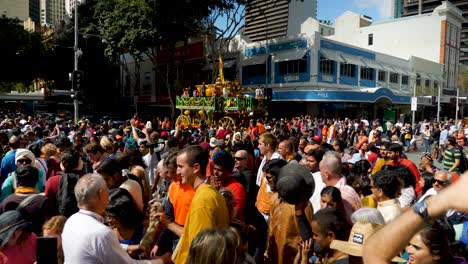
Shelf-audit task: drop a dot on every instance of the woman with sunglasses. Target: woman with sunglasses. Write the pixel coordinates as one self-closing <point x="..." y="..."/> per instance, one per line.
<point x="23" y="157"/>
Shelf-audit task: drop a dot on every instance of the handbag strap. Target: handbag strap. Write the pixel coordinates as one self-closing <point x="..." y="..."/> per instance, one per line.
<point x="27" y="201"/>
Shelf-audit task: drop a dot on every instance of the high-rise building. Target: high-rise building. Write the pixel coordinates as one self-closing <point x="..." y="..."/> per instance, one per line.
<point x="267" y="19"/>
<point x="70" y="6"/>
<point x="416" y="7"/>
<point x="25" y="10"/>
<point x="52" y="12"/>
<point x="397" y="8"/>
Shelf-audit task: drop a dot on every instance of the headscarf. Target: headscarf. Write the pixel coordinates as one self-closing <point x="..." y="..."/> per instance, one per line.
<point x="25" y="153"/>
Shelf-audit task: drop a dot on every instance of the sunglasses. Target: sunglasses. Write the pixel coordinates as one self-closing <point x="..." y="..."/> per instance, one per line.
<point x="24" y="161"/>
<point x="239" y="158"/>
<point x="438" y="181"/>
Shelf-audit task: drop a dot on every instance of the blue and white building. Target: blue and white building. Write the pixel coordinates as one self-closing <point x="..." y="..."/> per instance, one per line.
<point x="313" y="73"/>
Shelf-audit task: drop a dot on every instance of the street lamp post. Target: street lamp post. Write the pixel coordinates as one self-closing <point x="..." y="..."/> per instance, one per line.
<point x="75" y="68"/>
<point x="456" y="106"/>
<point x="414" y="110"/>
<point x="438" y="105"/>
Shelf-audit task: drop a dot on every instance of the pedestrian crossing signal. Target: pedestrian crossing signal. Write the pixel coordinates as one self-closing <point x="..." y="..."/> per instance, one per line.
<point x="77" y="80"/>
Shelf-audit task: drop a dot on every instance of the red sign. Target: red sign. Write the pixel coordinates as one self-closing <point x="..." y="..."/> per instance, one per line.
<point x="191" y="51"/>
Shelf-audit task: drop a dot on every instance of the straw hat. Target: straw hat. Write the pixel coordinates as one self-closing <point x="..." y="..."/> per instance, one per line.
<point x="360" y="232"/>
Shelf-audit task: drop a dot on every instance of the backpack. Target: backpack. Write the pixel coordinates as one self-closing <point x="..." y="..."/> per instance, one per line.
<point x="66" y="200"/>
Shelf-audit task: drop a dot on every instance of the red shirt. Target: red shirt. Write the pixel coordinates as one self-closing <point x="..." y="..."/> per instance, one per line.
<point x="239" y="196"/>
<point x="414" y="170"/>
<point x="51" y="190"/>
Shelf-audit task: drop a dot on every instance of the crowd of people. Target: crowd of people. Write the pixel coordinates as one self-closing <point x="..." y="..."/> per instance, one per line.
<point x="273" y="190"/>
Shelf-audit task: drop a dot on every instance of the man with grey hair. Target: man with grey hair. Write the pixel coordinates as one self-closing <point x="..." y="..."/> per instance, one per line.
<point x="85" y="238"/>
<point x="441" y="180"/>
<point x="330" y="170"/>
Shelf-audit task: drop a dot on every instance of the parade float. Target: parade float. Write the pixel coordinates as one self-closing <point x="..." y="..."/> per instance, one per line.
<point x="223" y="102"/>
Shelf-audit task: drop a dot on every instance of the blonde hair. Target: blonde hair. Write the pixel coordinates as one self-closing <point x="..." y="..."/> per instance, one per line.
<point x="271" y="140"/>
<point x="49" y="149"/>
<point x="55" y="223"/>
<point x="228" y="248"/>
<point x="107" y="144"/>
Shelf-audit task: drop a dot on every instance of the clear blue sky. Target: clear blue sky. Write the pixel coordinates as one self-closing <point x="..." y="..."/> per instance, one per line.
<point x="330" y="9"/>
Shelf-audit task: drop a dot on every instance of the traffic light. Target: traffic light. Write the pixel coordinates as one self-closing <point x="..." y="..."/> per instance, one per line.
<point x="77" y="79"/>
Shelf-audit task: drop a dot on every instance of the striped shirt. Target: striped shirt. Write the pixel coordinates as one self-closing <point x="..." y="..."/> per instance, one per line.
<point x="449" y="159"/>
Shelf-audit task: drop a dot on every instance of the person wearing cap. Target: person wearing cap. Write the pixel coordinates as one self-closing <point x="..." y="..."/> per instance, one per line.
<point x="360" y="232"/>
<point x="452" y="156"/>
<point x="85" y="238"/>
<point x="291" y="212"/>
<point x="17" y="241"/>
<point x="23" y="157"/>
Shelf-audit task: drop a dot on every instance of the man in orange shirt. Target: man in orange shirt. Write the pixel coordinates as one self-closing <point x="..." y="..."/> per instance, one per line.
<point x="176" y="208"/>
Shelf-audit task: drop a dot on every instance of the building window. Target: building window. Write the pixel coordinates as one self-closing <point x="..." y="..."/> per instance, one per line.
<point x="394" y="77"/>
<point x="321" y="31"/>
<point x="293" y="67"/>
<point x="367" y="74"/>
<point x="427" y="83"/>
<point x="436" y="84"/>
<point x="326" y="66"/>
<point x="382" y="76"/>
<point x="348" y="70"/>
<point x="404" y="80"/>
<point x="370" y="39"/>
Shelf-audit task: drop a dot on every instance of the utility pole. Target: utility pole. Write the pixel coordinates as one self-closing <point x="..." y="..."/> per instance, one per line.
<point x="75" y="68"/>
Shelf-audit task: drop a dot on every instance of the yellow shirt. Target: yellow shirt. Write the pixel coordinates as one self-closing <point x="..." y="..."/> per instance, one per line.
<point x="208" y="210"/>
<point x="378" y="165"/>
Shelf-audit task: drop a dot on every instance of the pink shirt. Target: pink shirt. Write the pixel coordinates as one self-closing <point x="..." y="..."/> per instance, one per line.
<point x="351" y="200"/>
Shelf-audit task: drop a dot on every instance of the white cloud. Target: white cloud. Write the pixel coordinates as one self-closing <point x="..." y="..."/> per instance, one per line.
<point x="383" y="7"/>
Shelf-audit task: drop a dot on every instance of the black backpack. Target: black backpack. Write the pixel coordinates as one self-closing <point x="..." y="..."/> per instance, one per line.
<point x="66" y="200"/>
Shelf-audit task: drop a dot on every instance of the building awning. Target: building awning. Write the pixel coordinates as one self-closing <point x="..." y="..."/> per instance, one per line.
<point x="351" y="59"/>
<point x="332" y="55"/>
<point x="387" y="67"/>
<point x="226" y="64"/>
<point x="425" y="76"/>
<point x="254" y="60"/>
<point x="372" y="64"/>
<point x="290" y="56"/>
<point x="437" y="77"/>
<point x="400" y="70"/>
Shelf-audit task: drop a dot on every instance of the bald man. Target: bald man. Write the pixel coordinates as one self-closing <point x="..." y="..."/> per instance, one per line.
<point x="247" y="179"/>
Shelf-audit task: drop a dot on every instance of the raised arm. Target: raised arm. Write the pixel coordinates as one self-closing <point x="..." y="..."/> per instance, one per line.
<point x="403" y="228"/>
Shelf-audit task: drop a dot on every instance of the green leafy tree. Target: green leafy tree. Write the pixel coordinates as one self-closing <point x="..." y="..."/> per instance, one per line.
<point x="22" y="53"/>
